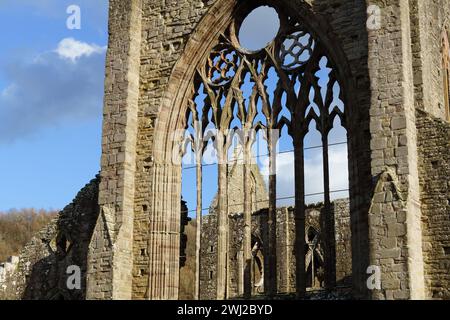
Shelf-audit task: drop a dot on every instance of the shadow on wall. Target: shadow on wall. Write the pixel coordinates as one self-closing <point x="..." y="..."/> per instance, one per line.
<point x="353" y="37"/>
<point x="44" y="261"/>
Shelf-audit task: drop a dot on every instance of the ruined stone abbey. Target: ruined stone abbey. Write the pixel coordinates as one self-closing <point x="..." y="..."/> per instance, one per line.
<point x="178" y="66"/>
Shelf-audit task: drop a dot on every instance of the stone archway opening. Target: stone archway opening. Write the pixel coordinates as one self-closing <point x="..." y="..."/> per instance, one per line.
<point x="289" y="88"/>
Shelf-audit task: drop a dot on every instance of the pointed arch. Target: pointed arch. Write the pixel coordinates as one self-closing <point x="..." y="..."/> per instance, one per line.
<point x="217" y="27"/>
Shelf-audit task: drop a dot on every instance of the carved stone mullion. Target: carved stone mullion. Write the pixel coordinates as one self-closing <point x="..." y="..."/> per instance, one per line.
<point x="327" y="218"/>
<point x="224" y="93"/>
<point x="271" y="273"/>
<point x="298" y="131"/>
<point x="330" y="95"/>
<point x="247" y="117"/>
<point x="198" y="232"/>
<point x="222" y="219"/>
<point x="247" y="245"/>
<point x="300" y="104"/>
<point x="299" y="217"/>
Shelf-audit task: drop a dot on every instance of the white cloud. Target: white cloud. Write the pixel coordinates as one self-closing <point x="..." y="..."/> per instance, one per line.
<point x="72" y="49"/>
<point x="8" y="91"/>
<point x="338" y="167"/>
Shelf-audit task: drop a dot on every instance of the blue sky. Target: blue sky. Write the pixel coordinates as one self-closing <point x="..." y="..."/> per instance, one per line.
<point x="51" y="91"/>
<point x="51" y="97"/>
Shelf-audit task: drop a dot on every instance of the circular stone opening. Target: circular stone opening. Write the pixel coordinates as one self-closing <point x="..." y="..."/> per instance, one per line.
<point x="259" y="28"/>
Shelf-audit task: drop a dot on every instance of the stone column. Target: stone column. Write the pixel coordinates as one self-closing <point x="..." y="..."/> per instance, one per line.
<point x="284" y="249"/>
<point x="164" y="233"/>
<point x="394" y="218"/>
<point x="299" y="218"/>
<point x="222" y="219"/>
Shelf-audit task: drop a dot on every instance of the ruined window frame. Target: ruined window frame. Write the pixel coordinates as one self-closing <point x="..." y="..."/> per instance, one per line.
<point x="213" y="74"/>
<point x="446" y="71"/>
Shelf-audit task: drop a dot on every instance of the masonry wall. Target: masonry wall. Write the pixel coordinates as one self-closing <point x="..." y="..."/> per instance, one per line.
<point x="341" y="210"/>
<point x="36" y="259"/>
<point x="285" y="248"/>
<point x="41" y="269"/>
<point x="386" y="78"/>
<point x="398" y="158"/>
<point x="394" y="222"/>
<point x="166" y="27"/>
<point x="343" y="241"/>
<point x="428" y="20"/>
<point x="110" y="254"/>
<point x="286" y="260"/>
<point x="208" y="258"/>
<point x="434" y="152"/>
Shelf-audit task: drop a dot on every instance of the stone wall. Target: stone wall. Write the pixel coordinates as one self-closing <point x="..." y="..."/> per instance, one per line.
<point x="428" y="20"/>
<point x="41" y="269"/>
<point x="166" y="26"/>
<point x="434" y="152"/>
<point x="285" y="249"/>
<point x="341" y="209"/>
<point x="394" y="221"/>
<point x="35" y="261"/>
<point x="154" y="49"/>
<point x="162" y="41"/>
<point x="110" y="253"/>
<point x="208" y="257"/>
<point x="398" y="158"/>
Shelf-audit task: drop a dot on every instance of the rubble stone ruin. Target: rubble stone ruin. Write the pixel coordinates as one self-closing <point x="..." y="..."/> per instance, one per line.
<point x="176" y="69"/>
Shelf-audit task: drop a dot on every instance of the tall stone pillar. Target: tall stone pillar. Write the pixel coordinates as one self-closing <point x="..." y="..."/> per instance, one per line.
<point x="110" y="259"/>
<point x="164" y="233"/>
<point x="394" y="217"/>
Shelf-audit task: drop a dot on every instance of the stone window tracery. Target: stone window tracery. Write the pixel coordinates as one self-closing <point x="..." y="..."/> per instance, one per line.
<point x="230" y="93"/>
